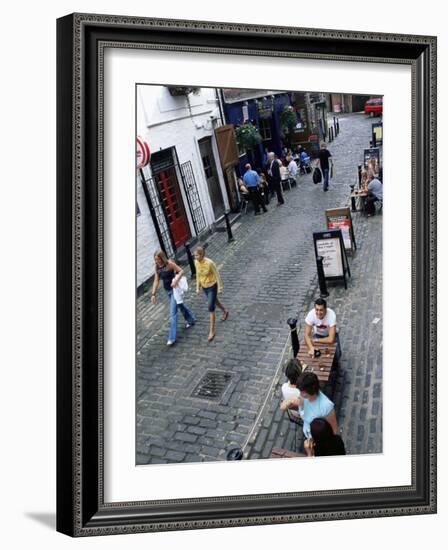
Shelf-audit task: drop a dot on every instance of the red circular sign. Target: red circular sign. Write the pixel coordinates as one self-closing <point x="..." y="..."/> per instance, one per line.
<point x="143" y="153"/>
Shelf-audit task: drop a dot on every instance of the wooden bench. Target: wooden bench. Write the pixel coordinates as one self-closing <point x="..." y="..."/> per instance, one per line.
<point x="277" y="452"/>
<point x="321" y="366"/>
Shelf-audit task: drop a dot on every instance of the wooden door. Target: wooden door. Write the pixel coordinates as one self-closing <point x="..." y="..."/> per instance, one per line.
<point x="211" y="174"/>
<point x="165" y="177"/>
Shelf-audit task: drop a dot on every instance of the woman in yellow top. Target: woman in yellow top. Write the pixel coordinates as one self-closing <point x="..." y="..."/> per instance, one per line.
<point x="208" y="278"/>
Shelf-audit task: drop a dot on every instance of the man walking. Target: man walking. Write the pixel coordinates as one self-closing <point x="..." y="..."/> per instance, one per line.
<point x="323" y="157"/>
<point x="274" y="177"/>
<point x="251" y="180"/>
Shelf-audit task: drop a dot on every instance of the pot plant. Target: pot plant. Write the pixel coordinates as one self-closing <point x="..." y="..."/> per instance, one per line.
<point x="288" y="120"/>
<point x="247" y="136"/>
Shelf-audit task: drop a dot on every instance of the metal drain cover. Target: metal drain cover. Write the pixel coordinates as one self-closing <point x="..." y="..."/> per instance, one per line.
<point x="212" y="385"/>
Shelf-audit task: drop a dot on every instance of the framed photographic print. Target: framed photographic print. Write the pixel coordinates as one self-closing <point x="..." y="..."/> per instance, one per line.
<point x="201" y="335"/>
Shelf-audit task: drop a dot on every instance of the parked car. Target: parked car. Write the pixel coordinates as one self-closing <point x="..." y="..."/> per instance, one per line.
<point x="374" y="107"/>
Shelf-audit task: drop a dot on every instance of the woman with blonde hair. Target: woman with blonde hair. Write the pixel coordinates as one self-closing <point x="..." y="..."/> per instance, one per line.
<point x="207" y="277"/>
<point x="170" y="273"/>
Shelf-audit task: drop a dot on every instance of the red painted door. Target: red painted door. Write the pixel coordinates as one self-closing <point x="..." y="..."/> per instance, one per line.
<point x="168" y="185"/>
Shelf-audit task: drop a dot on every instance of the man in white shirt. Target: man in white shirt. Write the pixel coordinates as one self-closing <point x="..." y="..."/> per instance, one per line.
<point x="293" y="169"/>
<point x="320" y="324"/>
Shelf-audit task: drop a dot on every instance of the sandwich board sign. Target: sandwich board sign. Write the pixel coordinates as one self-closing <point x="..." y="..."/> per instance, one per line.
<point x="377" y="133"/>
<point x="330" y="245"/>
<point x="341" y="218"/>
<point x="372" y="159"/>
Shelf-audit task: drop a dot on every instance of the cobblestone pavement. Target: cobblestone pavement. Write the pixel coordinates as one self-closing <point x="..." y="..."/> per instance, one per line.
<point x="269" y="274"/>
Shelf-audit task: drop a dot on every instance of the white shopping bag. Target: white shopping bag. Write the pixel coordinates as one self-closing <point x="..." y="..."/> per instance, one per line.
<point x="180" y="289"/>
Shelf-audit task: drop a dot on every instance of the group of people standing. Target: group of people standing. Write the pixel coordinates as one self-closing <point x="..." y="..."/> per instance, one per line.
<point x="261" y="186"/>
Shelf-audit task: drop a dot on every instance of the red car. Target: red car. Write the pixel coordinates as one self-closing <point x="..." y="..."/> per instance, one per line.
<point x="374" y="107"/>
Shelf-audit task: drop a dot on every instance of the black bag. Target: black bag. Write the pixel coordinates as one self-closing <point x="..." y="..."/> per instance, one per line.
<point x="317" y="175"/>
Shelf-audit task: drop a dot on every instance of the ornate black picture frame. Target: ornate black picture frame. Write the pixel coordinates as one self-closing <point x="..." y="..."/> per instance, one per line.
<point x="81" y="509"/>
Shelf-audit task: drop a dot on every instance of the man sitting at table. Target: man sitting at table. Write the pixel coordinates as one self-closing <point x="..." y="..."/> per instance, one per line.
<point x="320" y="325"/>
<point x="375" y="190"/>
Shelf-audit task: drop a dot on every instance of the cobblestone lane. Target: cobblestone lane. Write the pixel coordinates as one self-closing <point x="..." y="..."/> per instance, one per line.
<point x="269" y="274"/>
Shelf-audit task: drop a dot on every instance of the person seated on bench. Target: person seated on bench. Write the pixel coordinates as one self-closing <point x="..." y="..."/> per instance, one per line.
<point x="243" y="189"/>
<point x="320" y="325"/>
<point x="293" y="370"/>
<point x="323" y="441"/>
<point x="311" y="404"/>
<point x="375" y="190"/>
<point x="305" y="162"/>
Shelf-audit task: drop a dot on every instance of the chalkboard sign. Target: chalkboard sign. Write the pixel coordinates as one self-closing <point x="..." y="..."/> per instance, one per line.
<point x="341" y="218"/>
<point x="372" y="160"/>
<point x="330" y="245"/>
<point x="377" y="133"/>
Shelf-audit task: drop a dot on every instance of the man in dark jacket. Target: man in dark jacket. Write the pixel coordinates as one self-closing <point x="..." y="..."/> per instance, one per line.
<point x="324" y="162"/>
<point x="274" y="178"/>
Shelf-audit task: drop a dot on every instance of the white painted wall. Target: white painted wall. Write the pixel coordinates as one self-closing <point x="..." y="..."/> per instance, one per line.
<point x="165" y="121"/>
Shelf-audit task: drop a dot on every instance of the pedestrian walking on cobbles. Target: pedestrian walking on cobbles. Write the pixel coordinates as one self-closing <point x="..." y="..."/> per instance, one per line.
<point x="323" y="160"/>
<point x="208" y="278"/>
<point x="274" y="177"/>
<point x="170" y="273"/>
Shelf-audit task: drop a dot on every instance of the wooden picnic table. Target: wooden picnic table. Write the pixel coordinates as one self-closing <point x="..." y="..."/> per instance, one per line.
<point x="277" y="452"/>
<point x="321" y="366"/>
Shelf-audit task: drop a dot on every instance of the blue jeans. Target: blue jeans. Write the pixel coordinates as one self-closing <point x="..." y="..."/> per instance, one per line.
<point x="188" y="315"/>
<point x="326" y="174"/>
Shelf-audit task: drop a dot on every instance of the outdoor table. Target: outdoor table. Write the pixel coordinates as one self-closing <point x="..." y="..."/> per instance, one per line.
<point x="361" y="195"/>
<point x="277" y="452"/>
<point x="321" y="366"/>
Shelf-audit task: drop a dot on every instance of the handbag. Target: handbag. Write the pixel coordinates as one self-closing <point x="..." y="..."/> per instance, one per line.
<point x="317" y="176"/>
<point x="180" y="289"/>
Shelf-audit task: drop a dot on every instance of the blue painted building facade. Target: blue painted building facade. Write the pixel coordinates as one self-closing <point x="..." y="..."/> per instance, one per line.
<point x="264" y="112"/>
